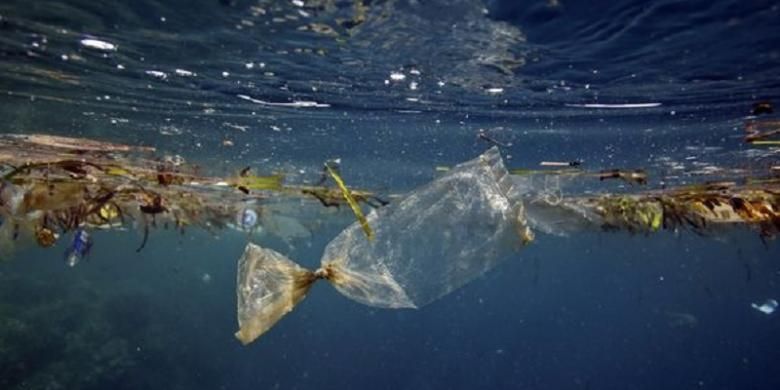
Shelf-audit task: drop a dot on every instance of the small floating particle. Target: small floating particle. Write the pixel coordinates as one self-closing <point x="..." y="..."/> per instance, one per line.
<point x="235" y="126"/>
<point x="397" y="76"/>
<point x="184" y="73"/>
<point x="494" y="91"/>
<point x="157" y="74"/>
<point x="560" y="163"/>
<point x="98" y="44"/>
<point x="295" y="104"/>
<point x="324" y="29"/>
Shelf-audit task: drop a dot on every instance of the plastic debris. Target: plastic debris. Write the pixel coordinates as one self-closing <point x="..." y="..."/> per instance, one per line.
<point x="768" y="307"/>
<point x="353" y="204"/>
<point x="637" y="176"/>
<point x="470" y="214"/>
<point x="79" y="248"/>
<point x="619" y="105"/>
<point x="97" y="44"/>
<point x="247" y="219"/>
<point x="560" y="163"/>
<point x="425" y="244"/>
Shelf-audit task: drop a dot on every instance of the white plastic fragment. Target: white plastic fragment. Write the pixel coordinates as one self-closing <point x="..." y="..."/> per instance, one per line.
<point x="294" y="104"/>
<point x="157" y="74"/>
<point x="184" y="73"/>
<point x="397" y="76"/>
<point x="768" y="307"/>
<point x="98" y="44"/>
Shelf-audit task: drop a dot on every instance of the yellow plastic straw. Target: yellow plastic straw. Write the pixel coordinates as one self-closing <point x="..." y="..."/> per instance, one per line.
<point x="352" y="202"/>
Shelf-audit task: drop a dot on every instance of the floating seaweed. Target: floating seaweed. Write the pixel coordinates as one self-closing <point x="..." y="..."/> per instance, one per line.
<point x="58" y="185"/>
<point x="701" y="209"/>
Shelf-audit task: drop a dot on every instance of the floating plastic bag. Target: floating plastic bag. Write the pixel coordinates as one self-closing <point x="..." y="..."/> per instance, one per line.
<point x="438" y="238"/>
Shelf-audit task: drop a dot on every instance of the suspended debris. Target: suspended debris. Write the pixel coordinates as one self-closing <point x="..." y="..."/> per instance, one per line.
<point x="768" y="307"/>
<point x="477" y="213"/>
<point x="762" y="132"/>
<point x="637" y="176"/>
<point x="469" y="212"/>
<point x="353" y="204"/>
<point x="79" y="248"/>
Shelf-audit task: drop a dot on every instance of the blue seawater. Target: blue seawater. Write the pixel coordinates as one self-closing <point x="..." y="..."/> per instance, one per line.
<point x="395" y="88"/>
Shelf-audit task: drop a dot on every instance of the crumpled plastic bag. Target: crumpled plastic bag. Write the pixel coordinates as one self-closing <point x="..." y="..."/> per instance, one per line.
<point x="433" y="241"/>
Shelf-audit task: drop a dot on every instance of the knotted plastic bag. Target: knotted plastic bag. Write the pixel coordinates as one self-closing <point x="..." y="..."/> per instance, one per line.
<point x="436" y="239"/>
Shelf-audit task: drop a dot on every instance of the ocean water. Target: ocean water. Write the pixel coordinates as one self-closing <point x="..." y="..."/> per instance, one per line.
<point x="394" y="89"/>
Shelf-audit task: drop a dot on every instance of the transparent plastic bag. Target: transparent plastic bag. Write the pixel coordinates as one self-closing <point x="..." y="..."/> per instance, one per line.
<point x="269" y="286"/>
<point x="436" y="239"/>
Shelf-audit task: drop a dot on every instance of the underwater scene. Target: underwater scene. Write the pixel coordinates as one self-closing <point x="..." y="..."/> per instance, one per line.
<point x="389" y="194"/>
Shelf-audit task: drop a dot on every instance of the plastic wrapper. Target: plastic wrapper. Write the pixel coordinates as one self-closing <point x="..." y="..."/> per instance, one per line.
<point x="436" y="239"/>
